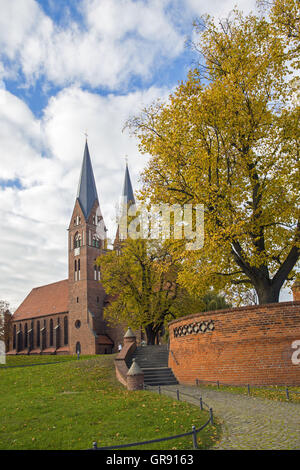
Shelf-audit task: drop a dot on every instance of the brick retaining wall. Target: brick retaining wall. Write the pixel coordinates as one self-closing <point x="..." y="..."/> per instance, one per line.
<point x="237" y="346"/>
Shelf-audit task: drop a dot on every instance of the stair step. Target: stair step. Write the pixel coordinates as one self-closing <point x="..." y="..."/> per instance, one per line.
<point x="153" y="360"/>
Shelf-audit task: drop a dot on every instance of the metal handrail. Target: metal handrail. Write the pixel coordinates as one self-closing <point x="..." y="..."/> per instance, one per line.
<point x="286" y="388"/>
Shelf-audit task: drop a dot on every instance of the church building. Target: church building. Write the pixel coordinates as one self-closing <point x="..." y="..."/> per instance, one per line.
<point x="67" y="316"/>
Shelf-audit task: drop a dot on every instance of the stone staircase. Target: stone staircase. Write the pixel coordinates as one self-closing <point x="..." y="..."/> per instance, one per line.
<point x="153" y="360"/>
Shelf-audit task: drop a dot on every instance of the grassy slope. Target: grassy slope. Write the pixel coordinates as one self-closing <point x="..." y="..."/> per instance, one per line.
<point x="38" y="359"/>
<point x="72" y="404"/>
<point x="274" y="392"/>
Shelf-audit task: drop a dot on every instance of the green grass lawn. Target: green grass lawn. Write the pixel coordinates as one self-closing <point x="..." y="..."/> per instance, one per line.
<point x="71" y="404"/>
<point x="274" y="392"/>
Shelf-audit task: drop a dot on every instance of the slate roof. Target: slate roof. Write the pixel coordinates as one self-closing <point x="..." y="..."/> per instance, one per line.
<point x="87" y="191"/>
<point x="44" y="300"/>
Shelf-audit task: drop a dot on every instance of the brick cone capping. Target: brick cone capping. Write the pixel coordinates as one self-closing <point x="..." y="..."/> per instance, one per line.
<point x="135" y="377"/>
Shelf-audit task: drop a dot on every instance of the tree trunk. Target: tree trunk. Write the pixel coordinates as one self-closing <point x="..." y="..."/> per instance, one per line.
<point x="151" y="333"/>
<point x="267" y="294"/>
<point x="268" y="290"/>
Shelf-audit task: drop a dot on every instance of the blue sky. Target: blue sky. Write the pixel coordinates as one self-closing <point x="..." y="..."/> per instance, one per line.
<point x="64" y="16"/>
<point x="67" y="67"/>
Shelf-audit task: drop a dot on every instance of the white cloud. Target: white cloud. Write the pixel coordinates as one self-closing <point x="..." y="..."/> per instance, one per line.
<point x="118" y="39"/>
<point x="220" y="9"/>
<point x="34" y="219"/>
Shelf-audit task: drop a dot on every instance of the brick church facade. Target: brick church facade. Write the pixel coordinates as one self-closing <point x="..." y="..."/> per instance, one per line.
<point x="67" y="316"/>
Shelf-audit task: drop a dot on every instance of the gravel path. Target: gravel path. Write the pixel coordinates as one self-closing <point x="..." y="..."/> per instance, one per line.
<point x="248" y="422"/>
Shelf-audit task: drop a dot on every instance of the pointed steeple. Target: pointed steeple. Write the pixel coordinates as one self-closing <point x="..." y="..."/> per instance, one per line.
<point x="127" y="199"/>
<point x="87" y="191"/>
<point x="127" y="188"/>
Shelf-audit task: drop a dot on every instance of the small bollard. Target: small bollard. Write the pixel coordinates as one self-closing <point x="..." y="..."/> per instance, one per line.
<point x="287" y="393"/>
<point x="195" y="445"/>
<point x="94" y="445"/>
<point x="211" y="416"/>
<point x="177" y="394"/>
<point x="159" y="390"/>
<point x="201" y="404"/>
<point x="197" y="382"/>
<point x="218" y="383"/>
<point x="248" y="389"/>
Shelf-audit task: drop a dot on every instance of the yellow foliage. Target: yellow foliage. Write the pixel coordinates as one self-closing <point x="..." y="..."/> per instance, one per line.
<point x="228" y="138"/>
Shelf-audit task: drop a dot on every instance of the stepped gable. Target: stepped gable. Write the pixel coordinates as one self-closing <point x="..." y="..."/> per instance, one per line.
<point x="45" y="300"/>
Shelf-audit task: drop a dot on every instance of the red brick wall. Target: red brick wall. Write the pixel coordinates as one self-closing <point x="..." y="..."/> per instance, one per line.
<point x="296" y="291"/>
<point x="247" y="345"/>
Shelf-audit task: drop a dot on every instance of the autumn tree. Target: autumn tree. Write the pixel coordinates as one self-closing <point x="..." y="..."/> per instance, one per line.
<point x="4" y="306"/>
<point x="5" y="324"/>
<point x="228" y="138"/>
<point x="141" y="282"/>
<point x="187" y="304"/>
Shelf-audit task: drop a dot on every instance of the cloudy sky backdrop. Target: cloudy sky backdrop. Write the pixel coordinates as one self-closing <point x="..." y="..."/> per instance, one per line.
<point x="67" y="67"/>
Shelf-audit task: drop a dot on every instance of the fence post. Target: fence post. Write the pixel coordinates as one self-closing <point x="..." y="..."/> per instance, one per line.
<point x="177" y="394"/>
<point x="248" y="389"/>
<point x="201" y="404"/>
<point x="287" y="393"/>
<point x="94" y="445"/>
<point x="211" y="415"/>
<point x="195" y="445"/>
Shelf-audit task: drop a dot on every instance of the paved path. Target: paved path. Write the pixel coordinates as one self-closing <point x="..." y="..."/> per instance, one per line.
<point x="248" y="422"/>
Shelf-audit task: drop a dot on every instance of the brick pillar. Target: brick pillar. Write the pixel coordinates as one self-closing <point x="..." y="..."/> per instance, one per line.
<point x="296" y="291"/>
<point x="135" y="377"/>
<point x="129" y="337"/>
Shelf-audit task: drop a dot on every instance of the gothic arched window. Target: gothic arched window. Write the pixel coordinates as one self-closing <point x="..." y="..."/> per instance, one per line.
<point x="38" y="333"/>
<point x="26" y="336"/>
<point x="77" y="240"/>
<point x="32" y="335"/>
<point x="78" y="264"/>
<point x="20" y="338"/>
<point x="96" y="241"/>
<point x="15" y="337"/>
<point x="44" y="335"/>
<point x="57" y="334"/>
<point x="66" y="334"/>
<point x="51" y="333"/>
<point x="75" y="270"/>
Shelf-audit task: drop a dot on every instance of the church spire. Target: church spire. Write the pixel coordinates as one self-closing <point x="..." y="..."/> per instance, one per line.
<point x="127" y="188"/>
<point x="87" y="191"/>
<point x="127" y="199"/>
